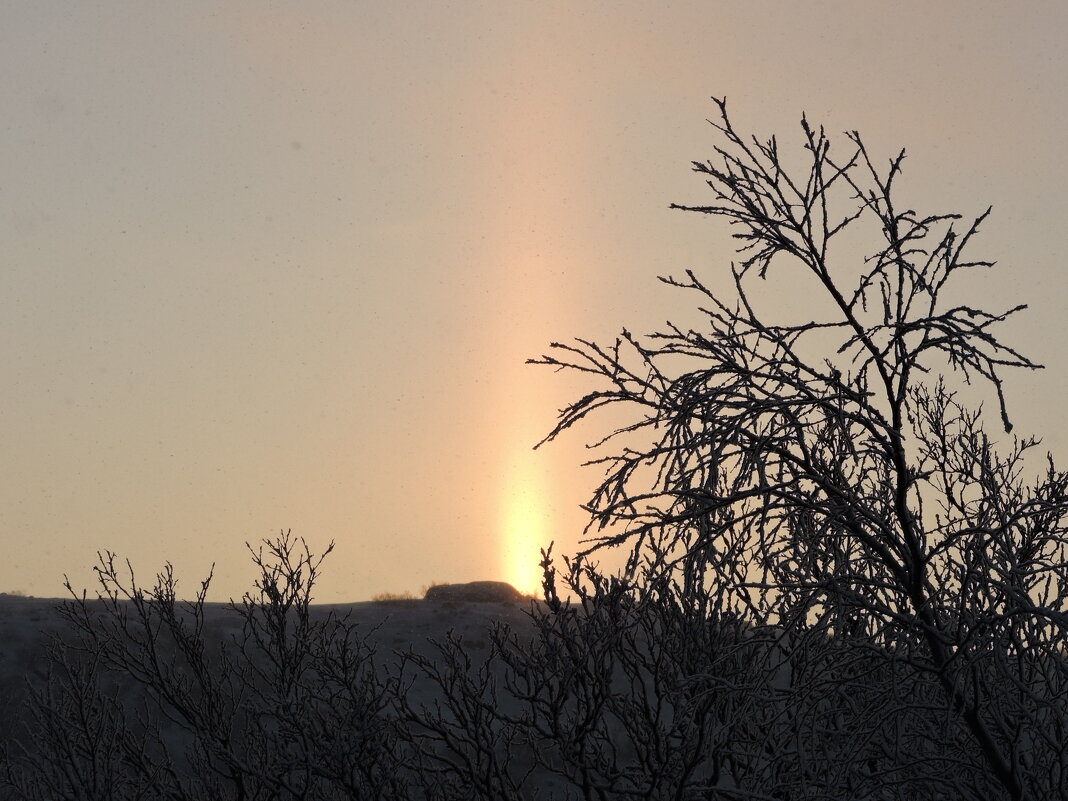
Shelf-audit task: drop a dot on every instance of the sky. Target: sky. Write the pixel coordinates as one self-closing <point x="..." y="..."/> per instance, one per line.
<point x="272" y="266"/>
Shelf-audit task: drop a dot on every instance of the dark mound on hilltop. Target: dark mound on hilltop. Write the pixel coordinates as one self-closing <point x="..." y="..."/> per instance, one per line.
<point x="477" y="591"/>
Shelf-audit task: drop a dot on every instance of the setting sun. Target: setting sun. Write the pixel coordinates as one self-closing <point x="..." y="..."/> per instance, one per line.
<point x="524" y="529"/>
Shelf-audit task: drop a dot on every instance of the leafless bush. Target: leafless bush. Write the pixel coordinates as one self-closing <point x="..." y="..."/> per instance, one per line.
<point x="651" y="690"/>
<point x="292" y="708"/>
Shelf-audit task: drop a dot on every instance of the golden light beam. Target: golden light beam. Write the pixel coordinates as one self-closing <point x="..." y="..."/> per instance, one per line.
<point x="524" y="525"/>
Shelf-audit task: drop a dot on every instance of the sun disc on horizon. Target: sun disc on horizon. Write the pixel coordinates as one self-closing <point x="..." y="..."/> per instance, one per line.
<point x="524" y="530"/>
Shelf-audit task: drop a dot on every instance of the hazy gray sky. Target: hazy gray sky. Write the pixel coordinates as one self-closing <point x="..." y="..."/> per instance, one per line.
<point x="279" y="265"/>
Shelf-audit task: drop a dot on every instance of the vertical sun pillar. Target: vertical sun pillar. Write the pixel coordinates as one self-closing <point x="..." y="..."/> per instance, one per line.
<point x="523" y="522"/>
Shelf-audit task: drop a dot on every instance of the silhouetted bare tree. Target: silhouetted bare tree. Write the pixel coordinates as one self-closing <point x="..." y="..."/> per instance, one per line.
<point x="820" y="477"/>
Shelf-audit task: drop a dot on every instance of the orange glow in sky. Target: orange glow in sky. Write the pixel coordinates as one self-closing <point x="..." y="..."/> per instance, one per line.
<point x="523" y="535"/>
<point x="524" y="531"/>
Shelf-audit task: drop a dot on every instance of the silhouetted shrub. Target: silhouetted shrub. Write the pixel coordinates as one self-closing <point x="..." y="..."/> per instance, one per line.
<point x="142" y="701"/>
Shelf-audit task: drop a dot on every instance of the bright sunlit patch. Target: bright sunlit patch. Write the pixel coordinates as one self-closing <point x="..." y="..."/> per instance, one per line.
<point x="524" y="528"/>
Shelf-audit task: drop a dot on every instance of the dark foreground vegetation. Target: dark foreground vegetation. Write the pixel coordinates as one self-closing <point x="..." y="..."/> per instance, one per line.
<point x="839" y="585"/>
